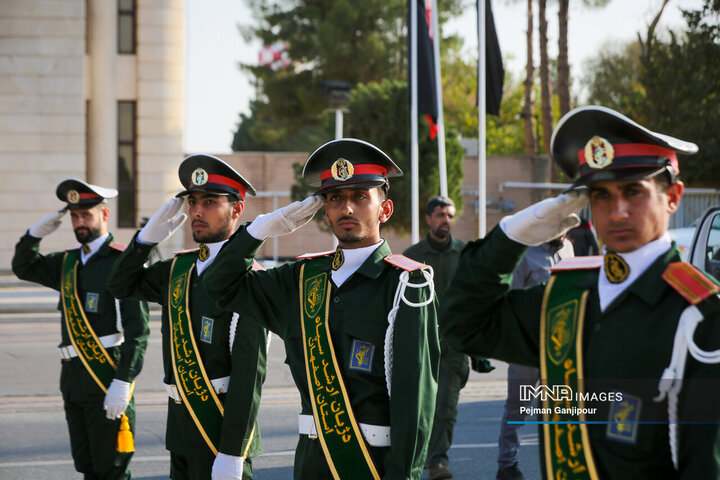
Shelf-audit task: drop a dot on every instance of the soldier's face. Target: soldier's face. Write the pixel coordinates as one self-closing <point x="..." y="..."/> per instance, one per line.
<point x="441" y="221"/>
<point x="630" y="214"/>
<point x="212" y="217"/>
<point x="355" y="216"/>
<point x="90" y="223"/>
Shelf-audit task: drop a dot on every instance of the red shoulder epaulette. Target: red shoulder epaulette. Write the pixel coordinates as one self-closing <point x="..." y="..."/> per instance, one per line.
<point x="256" y="266"/>
<point x="77" y="246"/>
<point x="689" y="282"/>
<point x="401" y="261"/>
<point x="189" y="250"/>
<point x="578" y="263"/>
<point x="120" y="247"/>
<point x="314" y="255"/>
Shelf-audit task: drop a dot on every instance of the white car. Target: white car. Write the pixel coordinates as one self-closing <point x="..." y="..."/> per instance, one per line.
<point x="704" y="249"/>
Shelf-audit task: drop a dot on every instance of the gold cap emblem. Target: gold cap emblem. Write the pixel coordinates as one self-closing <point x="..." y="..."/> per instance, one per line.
<point x="599" y="153"/>
<point x="342" y="170"/>
<point x="73" y="196"/>
<point x="338" y="259"/>
<point x="204" y="253"/>
<point x="199" y="177"/>
<point x="616" y="269"/>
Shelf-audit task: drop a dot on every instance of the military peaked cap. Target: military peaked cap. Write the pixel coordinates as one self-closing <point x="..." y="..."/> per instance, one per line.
<point x="80" y="195"/>
<point x="594" y="143"/>
<point x="205" y="173"/>
<point x="348" y="163"/>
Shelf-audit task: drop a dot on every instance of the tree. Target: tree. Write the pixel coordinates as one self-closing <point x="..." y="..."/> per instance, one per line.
<point x="671" y="86"/>
<point x="328" y="40"/>
<point x="528" y="103"/>
<point x="378" y="114"/>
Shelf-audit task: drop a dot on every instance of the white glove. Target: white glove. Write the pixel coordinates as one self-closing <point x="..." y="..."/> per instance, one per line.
<point x="286" y="219"/>
<point x="116" y="399"/>
<point x="48" y="224"/>
<point x="227" y="467"/>
<point x="163" y="223"/>
<point x="545" y="220"/>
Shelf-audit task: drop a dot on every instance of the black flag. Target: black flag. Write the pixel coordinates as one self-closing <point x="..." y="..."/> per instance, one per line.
<point x="494" y="70"/>
<point x="427" y="99"/>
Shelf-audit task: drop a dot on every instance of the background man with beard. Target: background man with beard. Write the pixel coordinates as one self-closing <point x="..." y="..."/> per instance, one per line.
<point x="358" y="322"/>
<point x="202" y="344"/>
<point x="99" y="450"/>
<point x="441" y="251"/>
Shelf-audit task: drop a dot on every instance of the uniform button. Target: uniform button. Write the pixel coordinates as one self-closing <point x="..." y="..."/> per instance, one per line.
<point x="336" y="299"/>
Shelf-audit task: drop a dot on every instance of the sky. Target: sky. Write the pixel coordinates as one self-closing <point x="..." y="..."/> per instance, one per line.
<point x="216" y="91"/>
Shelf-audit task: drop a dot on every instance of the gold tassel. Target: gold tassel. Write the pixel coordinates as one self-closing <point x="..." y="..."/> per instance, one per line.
<point x="125" y="442"/>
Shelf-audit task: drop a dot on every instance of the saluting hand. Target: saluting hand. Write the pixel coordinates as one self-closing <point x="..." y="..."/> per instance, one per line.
<point x="47" y="224"/>
<point x="545" y="220"/>
<point x="117" y="399"/>
<point x="163" y="223"/>
<point x="286" y="219"/>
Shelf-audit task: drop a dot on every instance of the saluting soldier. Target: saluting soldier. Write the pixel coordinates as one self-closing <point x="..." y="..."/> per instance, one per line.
<point x="358" y="323"/>
<point x="202" y="344"/>
<point x="103" y="340"/>
<point x="630" y="333"/>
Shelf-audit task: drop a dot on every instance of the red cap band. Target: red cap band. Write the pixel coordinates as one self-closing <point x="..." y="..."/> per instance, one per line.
<point x="89" y="195"/>
<point x="362" y="169"/>
<point x="639" y="150"/>
<point x="228" y="182"/>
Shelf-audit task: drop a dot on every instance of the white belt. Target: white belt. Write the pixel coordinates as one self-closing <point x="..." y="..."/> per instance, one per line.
<point x="68" y="352"/>
<point x="220" y="385"/>
<point x="376" y="435"/>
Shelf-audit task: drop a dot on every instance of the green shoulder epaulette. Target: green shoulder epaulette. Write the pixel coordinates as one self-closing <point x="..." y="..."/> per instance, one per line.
<point x="689" y="282"/>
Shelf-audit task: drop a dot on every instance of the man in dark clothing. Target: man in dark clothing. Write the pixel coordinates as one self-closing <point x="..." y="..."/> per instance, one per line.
<point x="103" y="340"/>
<point x="441" y="251"/>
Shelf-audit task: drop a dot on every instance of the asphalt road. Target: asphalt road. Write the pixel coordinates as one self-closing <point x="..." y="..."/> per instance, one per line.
<point x="33" y="436"/>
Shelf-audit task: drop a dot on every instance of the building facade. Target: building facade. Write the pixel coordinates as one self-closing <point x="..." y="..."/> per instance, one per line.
<point x="89" y="89"/>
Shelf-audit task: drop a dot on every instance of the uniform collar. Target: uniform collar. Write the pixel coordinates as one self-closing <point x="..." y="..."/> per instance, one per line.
<point x="214" y="248"/>
<point x="650" y="261"/>
<point x="355" y="258"/>
<point x="94" y="246"/>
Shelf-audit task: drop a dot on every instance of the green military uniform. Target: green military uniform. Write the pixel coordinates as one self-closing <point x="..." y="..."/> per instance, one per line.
<point x="240" y="434"/>
<point x="358" y="312"/>
<point x="93" y="437"/>
<point x="482" y="316"/>
<point x="454" y="369"/>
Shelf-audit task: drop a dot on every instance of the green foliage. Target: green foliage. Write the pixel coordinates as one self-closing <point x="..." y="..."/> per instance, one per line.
<point x="379" y="115"/>
<point x="674" y="88"/>
<point x="334" y="40"/>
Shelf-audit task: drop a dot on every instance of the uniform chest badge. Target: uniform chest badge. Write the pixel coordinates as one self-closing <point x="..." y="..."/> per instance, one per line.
<point x="616" y="269"/>
<point x="361" y="355"/>
<point x="204" y="252"/>
<point x="342" y="170"/>
<point x="338" y="259"/>
<point x="206" y="329"/>
<point x="599" y="153"/>
<point x="199" y="177"/>
<point x="623" y="420"/>
<point x="85" y="249"/>
<point x="91" y="302"/>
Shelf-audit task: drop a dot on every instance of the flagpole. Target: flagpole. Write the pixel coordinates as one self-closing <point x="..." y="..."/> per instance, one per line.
<point x="482" y="173"/>
<point x="442" y="162"/>
<point x="414" y="150"/>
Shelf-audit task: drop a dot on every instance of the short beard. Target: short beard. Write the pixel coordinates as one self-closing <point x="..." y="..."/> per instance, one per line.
<point x="213" y="237"/>
<point x="441" y="234"/>
<point x="350" y="238"/>
<point x="86" y="235"/>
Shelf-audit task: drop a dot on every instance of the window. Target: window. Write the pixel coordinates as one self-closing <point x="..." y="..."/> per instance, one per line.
<point x="127" y="174"/>
<point x="126" y="26"/>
